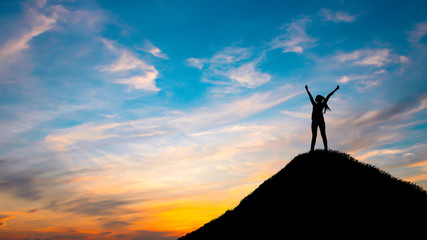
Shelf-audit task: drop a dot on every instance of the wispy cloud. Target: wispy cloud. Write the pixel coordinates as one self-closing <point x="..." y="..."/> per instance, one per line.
<point x="3" y="219"/>
<point x="40" y="18"/>
<point x="37" y="24"/>
<point x="234" y="63"/>
<point x="130" y="70"/>
<point x="376" y="57"/>
<point x="420" y="30"/>
<point x="338" y="16"/>
<point x="196" y="62"/>
<point x="417" y="34"/>
<point x="83" y="136"/>
<point x="246" y="75"/>
<point x="77" y="20"/>
<point x="155" y="51"/>
<point x="296" y="38"/>
<point x="363" y="82"/>
<point x="368" y="67"/>
<point x="230" y="55"/>
<point x="90" y="207"/>
<point x="371" y="57"/>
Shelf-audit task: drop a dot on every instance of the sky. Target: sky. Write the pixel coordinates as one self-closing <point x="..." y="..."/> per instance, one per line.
<point x="146" y="119"/>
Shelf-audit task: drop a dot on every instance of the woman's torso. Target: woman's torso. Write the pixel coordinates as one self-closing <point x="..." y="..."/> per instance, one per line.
<point x="317" y="114"/>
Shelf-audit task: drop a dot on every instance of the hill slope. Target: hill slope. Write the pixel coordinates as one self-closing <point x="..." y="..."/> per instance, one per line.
<point x="323" y="194"/>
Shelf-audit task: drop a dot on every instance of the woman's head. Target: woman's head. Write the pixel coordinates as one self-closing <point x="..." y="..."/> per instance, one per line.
<point x="319" y="98"/>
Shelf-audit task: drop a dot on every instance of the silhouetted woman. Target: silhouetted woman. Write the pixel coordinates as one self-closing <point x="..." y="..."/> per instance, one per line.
<point x="319" y="107"/>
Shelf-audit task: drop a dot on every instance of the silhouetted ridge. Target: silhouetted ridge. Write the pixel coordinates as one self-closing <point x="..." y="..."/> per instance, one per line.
<point x="323" y="194"/>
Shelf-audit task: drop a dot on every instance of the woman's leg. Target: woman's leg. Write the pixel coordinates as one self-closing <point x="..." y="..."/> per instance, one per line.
<point x="314" y="126"/>
<point x="323" y="133"/>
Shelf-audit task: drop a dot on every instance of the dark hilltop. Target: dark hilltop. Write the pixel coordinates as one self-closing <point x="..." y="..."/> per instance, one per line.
<point x="324" y="194"/>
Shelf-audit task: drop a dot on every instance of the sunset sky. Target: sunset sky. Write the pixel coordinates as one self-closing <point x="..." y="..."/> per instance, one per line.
<point x="146" y="119"/>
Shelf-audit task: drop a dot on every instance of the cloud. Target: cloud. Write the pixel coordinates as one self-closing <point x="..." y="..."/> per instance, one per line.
<point x="396" y="111"/>
<point x="116" y="224"/>
<point x="3" y="219"/>
<point x="338" y="16"/>
<point x="376" y="57"/>
<point x="379" y="128"/>
<point x="363" y="82"/>
<point x="127" y="61"/>
<point x="38" y="24"/>
<point x="155" y="51"/>
<point x="371" y="57"/>
<point x="234" y="63"/>
<point x="62" y="139"/>
<point x="420" y="30"/>
<point x="92" y="207"/>
<point x="150" y="235"/>
<point x="166" y="163"/>
<point x="77" y="20"/>
<point x="41" y="18"/>
<point x="222" y="60"/>
<point x="85" y="135"/>
<point x="295" y="39"/>
<point x="196" y="62"/>
<point x="230" y="55"/>
<point x="26" y="179"/>
<point x="142" y="82"/>
<point x="416" y="36"/>
<point x="246" y="75"/>
<point x="139" y="74"/>
<point x="368" y="68"/>
<point x="237" y="110"/>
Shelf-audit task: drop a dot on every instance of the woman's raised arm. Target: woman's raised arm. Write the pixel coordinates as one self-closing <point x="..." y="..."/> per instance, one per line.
<point x="309" y="94"/>
<point x="332" y="93"/>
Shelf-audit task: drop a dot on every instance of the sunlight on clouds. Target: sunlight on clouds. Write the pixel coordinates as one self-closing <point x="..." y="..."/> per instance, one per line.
<point x="196" y="211"/>
<point x="61" y="140"/>
<point x="4" y="219"/>
<point x="378" y="152"/>
<point x="195" y="208"/>
<point x="417" y="178"/>
<point x="187" y="169"/>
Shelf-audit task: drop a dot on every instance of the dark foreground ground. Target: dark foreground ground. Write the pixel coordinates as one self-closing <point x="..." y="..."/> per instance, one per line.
<point x="324" y="194"/>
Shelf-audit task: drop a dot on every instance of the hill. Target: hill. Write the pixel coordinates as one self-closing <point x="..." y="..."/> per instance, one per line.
<point x="326" y="194"/>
